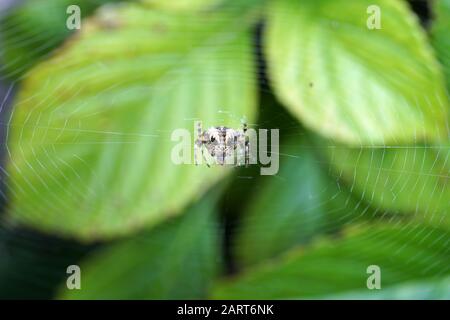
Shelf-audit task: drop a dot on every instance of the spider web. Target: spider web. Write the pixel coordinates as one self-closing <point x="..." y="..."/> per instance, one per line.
<point x="359" y="201"/>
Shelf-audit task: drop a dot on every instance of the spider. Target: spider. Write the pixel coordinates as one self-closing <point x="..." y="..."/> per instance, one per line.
<point x="222" y="144"/>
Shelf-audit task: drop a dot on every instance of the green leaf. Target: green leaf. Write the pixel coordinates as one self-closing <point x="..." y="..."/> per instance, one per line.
<point x="204" y="5"/>
<point x="441" y="39"/>
<point x="354" y="84"/>
<point x="90" y="138"/>
<point x="417" y="290"/>
<point x="402" y="179"/>
<point x="182" y="5"/>
<point x="301" y="202"/>
<point x="403" y="253"/>
<point x="33" y="29"/>
<point x="176" y="260"/>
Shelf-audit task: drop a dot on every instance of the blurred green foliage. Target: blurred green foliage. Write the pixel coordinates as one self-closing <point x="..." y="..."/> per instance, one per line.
<point x="403" y="179"/>
<point x="328" y="267"/>
<point x="139" y="91"/>
<point x="178" y="260"/>
<point x="352" y="83"/>
<point x="364" y="152"/>
<point x="303" y="203"/>
<point x="440" y="37"/>
<point x="32" y="30"/>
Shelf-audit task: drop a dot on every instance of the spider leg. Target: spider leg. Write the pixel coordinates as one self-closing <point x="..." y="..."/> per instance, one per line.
<point x="244" y="127"/>
<point x="204" y="158"/>
<point x="247" y="152"/>
<point x="246" y="144"/>
<point x="198" y="142"/>
<point x="196" y="147"/>
<point x="223" y="158"/>
<point x="235" y="155"/>
<point x="198" y="125"/>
